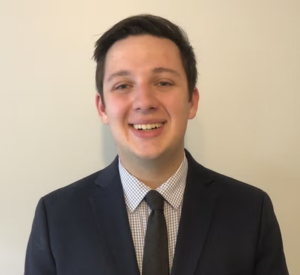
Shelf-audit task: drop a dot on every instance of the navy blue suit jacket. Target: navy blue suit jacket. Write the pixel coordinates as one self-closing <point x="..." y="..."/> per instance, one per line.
<point x="226" y="228"/>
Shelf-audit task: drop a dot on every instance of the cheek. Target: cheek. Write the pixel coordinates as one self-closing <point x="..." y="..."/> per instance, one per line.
<point x="179" y="114"/>
<point x="117" y="109"/>
<point x="178" y="108"/>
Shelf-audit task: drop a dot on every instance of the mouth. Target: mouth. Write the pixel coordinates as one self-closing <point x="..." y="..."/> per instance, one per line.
<point x="147" y="127"/>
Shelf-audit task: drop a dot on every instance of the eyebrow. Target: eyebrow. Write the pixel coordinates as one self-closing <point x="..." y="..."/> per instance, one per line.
<point x="165" y="70"/>
<point x="119" y="73"/>
<point x="155" y="70"/>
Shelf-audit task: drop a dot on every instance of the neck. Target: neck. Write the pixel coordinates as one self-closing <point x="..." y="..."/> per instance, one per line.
<point x="153" y="172"/>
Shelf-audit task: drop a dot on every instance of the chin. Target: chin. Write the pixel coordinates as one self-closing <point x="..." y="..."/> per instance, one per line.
<point x="145" y="154"/>
<point x="148" y="156"/>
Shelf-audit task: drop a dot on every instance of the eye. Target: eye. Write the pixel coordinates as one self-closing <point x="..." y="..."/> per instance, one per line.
<point x="164" y="84"/>
<point x="122" y="87"/>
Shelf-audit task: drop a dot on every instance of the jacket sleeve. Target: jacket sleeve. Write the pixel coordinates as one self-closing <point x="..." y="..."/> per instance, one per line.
<point x="270" y="258"/>
<point x="39" y="257"/>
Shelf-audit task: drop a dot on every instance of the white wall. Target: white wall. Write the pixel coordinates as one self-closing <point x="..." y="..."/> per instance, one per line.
<point x="247" y="126"/>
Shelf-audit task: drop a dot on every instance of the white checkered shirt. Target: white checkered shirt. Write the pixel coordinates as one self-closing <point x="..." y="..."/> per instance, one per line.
<point x="138" y="211"/>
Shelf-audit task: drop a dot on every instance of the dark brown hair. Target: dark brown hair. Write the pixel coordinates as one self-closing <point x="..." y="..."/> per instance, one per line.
<point x="152" y="25"/>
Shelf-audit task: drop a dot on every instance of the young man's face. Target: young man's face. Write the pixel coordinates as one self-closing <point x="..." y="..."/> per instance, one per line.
<point x="146" y="97"/>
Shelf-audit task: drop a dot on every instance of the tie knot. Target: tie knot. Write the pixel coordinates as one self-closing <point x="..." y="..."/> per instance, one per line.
<point x="155" y="200"/>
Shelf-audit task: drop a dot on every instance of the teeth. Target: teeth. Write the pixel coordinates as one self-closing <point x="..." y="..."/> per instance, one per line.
<point x="147" y="126"/>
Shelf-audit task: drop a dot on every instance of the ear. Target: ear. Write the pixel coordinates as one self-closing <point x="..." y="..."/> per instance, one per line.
<point x="101" y="109"/>
<point x="194" y="103"/>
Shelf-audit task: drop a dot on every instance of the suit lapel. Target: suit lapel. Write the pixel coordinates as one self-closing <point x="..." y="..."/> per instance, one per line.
<point x="197" y="211"/>
<point x="112" y="220"/>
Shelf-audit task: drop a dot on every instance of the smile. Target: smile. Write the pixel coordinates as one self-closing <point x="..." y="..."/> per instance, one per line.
<point x="147" y="127"/>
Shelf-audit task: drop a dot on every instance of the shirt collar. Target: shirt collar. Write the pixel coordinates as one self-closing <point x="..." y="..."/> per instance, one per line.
<point x="172" y="190"/>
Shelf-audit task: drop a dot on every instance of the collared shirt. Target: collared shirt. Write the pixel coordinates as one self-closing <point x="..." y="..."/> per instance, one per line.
<point x="138" y="211"/>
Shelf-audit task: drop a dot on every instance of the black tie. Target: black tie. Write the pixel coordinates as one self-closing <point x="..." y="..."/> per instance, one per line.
<point x="156" y="256"/>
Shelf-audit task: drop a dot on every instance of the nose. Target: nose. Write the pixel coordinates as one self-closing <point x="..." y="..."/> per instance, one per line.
<point x="145" y="99"/>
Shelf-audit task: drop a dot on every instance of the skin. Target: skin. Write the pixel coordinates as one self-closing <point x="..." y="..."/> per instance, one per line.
<point x="145" y="82"/>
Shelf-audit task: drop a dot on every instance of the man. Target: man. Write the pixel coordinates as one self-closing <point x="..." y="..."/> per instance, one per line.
<point x="154" y="210"/>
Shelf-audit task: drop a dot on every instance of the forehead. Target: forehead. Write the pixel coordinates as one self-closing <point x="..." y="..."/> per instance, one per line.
<point x="143" y="52"/>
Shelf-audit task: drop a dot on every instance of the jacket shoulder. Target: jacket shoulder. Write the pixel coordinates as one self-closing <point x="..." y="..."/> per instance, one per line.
<point x="72" y="191"/>
<point x="86" y="185"/>
<point x="231" y="184"/>
<point x="224" y="185"/>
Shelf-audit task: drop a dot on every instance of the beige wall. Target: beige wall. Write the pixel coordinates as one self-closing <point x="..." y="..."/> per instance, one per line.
<point x="247" y="126"/>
